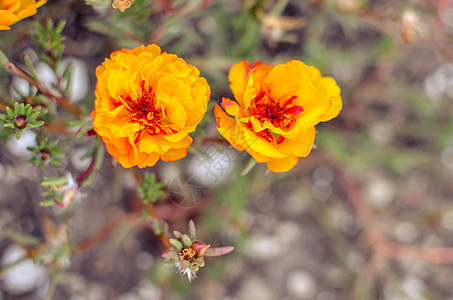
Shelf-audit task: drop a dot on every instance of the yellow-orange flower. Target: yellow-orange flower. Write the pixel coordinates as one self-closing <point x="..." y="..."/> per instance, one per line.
<point x="12" y="11"/>
<point x="276" y="111"/>
<point x="147" y="103"/>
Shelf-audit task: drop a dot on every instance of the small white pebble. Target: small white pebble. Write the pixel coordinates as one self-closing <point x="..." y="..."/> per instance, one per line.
<point x="301" y="285"/>
<point x="382" y="133"/>
<point x="77" y="160"/>
<point x="381" y="192"/>
<point x="147" y="290"/>
<point x="78" y="84"/>
<point x="414" y="288"/>
<point x="19" y="147"/>
<point x="405" y="232"/>
<point x="256" y="288"/>
<point x="213" y="166"/>
<point x="25" y="276"/>
<point x="437" y="84"/>
<point x="264" y="247"/>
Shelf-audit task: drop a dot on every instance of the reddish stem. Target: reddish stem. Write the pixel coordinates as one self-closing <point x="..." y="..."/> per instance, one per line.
<point x="82" y="177"/>
<point x="105" y="231"/>
<point x="380" y="244"/>
<point x="18" y="71"/>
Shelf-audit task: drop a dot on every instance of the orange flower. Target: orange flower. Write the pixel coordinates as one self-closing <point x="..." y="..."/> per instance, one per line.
<point x="147" y="103"/>
<point x="12" y="11"/>
<point x="276" y="111"/>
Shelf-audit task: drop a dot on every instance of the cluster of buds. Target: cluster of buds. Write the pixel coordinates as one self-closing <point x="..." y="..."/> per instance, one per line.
<point x="23" y="117"/>
<point x="46" y="152"/>
<point x="187" y="254"/>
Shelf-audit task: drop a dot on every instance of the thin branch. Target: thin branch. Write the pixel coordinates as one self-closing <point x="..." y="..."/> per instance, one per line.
<point x="54" y="277"/>
<point x="380" y="244"/>
<point x="3" y="106"/>
<point x="82" y="177"/>
<point x="164" y="240"/>
<point x="105" y="231"/>
<point x="11" y="265"/>
<point x="18" y="71"/>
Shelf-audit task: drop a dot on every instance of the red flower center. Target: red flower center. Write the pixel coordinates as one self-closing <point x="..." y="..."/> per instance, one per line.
<point x="263" y="108"/>
<point x="143" y="110"/>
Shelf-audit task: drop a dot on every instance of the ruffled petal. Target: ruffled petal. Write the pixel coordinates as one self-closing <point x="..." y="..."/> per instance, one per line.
<point x="280" y="165"/>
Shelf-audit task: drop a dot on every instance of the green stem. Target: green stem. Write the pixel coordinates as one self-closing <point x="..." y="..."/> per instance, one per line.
<point x="249" y="166"/>
<point x="52" y="285"/>
<point x="6" y="268"/>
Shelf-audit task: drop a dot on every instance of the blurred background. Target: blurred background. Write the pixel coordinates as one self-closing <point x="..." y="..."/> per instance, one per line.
<point x="368" y="215"/>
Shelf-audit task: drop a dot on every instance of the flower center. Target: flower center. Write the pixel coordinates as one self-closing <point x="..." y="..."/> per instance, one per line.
<point x="264" y="108"/>
<point x="187" y="253"/>
<point x="143" y="110"/>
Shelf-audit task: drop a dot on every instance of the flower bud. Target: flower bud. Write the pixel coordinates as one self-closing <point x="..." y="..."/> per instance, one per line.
<point x="45" y="154"/>
<point x="91" y="132"/>
<point x="200" y="248"/>
<point x="20" y="122"/>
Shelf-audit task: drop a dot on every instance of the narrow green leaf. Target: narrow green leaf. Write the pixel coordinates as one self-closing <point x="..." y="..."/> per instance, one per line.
<point x="37" y="123"/>
<point x="53" y="144"/>
<point x="56" y="163"/>
<point x="21" y="238"/>
<point x="249" y="166"/>
<point x="46" y="203"/>
<point x="3" y="58"/>
<point x="49" y="181"/>
<point x="33" y="115"/>
<point x="99" y="157"/>
<point x="60" y="27"/>
<point x="22" y="109"/>
<point x="30" y="68"/>
<point x="48" y="193"/>
<point x="16" y="108"/>
<point x="18" y="134"/>
<point x="28" y="110"/>
<point x="49" y="26"/>
<point x="67" y="75"/>
<point x="10" y="113"/>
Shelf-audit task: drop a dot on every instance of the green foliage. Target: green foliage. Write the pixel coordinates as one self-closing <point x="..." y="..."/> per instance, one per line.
<point x="98" y="3"/>
<point x="23" y="117"/>
<point x="46" y="152"/>
<point x="50" y="39"/>
<point x="3" y="58"/>
<point x="150" y="189"/>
